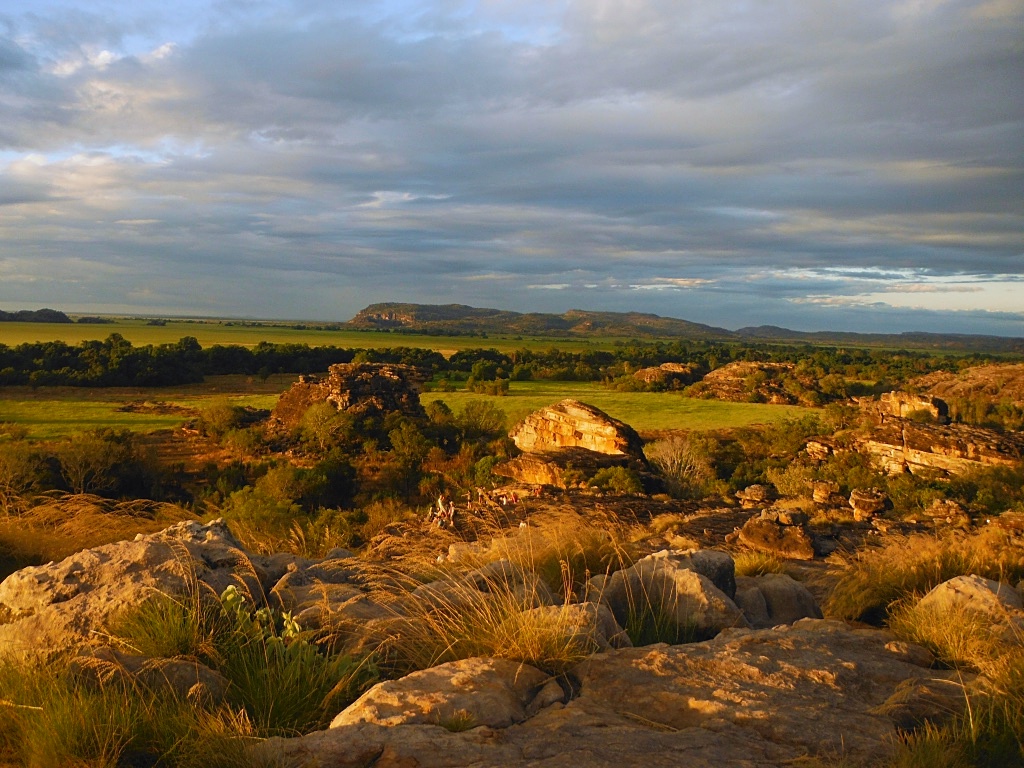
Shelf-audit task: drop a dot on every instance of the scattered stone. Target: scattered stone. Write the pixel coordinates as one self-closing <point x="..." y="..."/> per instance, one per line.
<point x="867" y="502"/>
<point x="755" y="496"/>
<point x="767" y="533"/>
<point x="773" y="599"/>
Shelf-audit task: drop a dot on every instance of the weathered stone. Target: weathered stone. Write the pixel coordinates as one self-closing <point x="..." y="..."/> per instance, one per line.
<point x="587" y="625"/>
<point x="905" y="405"/>
<point x="773" y="599"/>
<point x="755" y="496"/>
<point x="867" y="502"/>
<point x="53" y="607"/>
<point x="825" y="492"/>
<point x="356" y="388"/>
<point x="818" y="450"/>
<point x="747" y="698"/>
<point x="899" y="445"/>
<point x="474" y="692"/>
<point x="572" y="424"/>
<point x="669" y="584"/>
<point x="997" y="602"/>
<point x="562" y="468"/>
<point x="184" y="678"/>
<point x="999" y="383"/>
<point x="767" y="534"/>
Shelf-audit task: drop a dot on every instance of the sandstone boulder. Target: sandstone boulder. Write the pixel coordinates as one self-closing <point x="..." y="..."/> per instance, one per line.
<point x="670" y="375"/>
<point x="1000" y="604"/>
<point x="755" y="496"/>
<point x="572" y="424"/>
<point x="670" y="584"/>
<point x="186" y="679"/>
<point x="868" y="502"/>
<point x="52" y="607"/>
<point x="768" y="533"/>
<point x="470" y="692"/>
<point x="562" y="468"/>
<point x="585" y="625"/>
<point x="905" y="405"/>
<point x="773" y="599"/>
<point x="745" y="381"/>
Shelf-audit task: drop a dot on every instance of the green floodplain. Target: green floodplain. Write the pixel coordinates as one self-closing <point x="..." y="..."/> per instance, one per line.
<point x="53" y="412"/>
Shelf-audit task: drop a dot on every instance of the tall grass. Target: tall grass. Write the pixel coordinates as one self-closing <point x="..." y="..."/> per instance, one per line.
<point x="877" y="578"/>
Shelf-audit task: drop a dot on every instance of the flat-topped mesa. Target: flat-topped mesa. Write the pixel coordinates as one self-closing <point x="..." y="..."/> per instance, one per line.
<point x="356" y="388"/>
<point x="572" y="424"/>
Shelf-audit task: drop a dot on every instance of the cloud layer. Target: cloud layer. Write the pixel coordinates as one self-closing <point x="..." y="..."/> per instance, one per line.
<point x="844" y="165"/>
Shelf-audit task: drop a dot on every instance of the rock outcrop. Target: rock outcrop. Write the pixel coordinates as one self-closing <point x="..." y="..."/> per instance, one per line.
<point x="356" y="388"/>
<point x="669" y="375"/>
<point x="906" y="405"/>
<point x="900" y="445"/>
<point x="572" y="424"/>
<point x="745" y="382"/>
<point x="746" y="698"/>
<point x="569" y="442"/>
<point x="774" y="599"/>
<point x="998" y="383"/>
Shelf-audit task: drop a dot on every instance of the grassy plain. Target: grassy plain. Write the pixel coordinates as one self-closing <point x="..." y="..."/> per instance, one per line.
<point x="52" y="412"/>
<point x="228" y="332"/>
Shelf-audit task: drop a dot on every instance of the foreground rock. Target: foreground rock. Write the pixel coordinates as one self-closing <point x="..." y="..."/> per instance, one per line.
<point x="53" y="607"/>
<point x="777" y="532"/>
<point x="746" y="698"/>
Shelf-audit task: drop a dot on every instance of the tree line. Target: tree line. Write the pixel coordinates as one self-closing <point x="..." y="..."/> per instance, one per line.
<point x="116" y="362"/>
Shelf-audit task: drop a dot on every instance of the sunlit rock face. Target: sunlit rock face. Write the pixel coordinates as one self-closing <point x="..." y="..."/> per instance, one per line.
<point x="572" y="424"/>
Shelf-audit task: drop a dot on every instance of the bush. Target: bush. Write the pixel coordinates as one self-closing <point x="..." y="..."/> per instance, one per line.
<point x="618" y="480"/>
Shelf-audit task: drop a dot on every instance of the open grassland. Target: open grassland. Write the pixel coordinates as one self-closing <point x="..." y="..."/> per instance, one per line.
<point x="227" y="333"/>
<point x="644" y="411"/>
<point x="53" y="412"/>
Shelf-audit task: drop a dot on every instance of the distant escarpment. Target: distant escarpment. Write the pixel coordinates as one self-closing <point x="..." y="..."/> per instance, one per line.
<point x="460" y="319"/>
<point x="463" y="320"/>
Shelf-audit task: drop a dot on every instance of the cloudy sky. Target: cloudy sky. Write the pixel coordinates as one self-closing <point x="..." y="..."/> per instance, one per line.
<point x="851" y="164"/>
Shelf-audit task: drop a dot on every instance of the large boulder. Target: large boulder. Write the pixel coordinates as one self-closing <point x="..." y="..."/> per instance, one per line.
<point x="777" y="532"/>
<point x="53" y="607"/>
<point x="906" y="405"/>
<point x="773" y="599"/>
<point x="572" y="424"/>
<point x="747" y="698"/>
<point x="690" y="588"/>
<point x="1000" y="605"/>
<point x="584" y="625"/>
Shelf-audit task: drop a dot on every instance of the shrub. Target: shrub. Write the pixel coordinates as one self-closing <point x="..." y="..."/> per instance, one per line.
<point x="618" y="480"/>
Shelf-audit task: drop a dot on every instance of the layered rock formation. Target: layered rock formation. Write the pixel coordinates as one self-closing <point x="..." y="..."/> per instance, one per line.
<point x="1000" y="383"/>
<point x="900" y="445"/>
<point x="572" y="424"/>
<point x="571" y="439"/>
<point x="356" y="388"/>
<point x="904" y="405"/>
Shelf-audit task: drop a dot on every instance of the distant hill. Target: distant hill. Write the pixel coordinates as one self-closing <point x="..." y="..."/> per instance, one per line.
<point x="462" y="320"/>
<point x="34" y="316"/>
<point x="459" y="319"/>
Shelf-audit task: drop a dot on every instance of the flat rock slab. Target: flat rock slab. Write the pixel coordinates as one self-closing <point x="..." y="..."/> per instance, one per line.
<point x="746" y="698"/>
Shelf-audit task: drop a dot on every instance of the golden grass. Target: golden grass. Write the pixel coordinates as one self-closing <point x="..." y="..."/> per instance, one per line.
<point x="758" y="563"/>
<point x="58" y="525"/>
<point x="876" y="578"/>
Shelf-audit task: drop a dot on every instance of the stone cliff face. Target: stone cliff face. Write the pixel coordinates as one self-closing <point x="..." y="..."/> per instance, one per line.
<point x="356" y="388"/>
<point x="904" y="404"/>
<point x="900" y="445"/>
<point x="999" y="382"/>
<point x="572" y="424"/>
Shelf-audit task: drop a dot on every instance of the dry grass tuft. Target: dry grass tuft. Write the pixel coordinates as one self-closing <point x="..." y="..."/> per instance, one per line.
<point x="877" y="578"/>
<point x="758" y="563"/>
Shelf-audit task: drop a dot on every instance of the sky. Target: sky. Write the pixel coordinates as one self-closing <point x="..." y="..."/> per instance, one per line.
<point x="843" y="165"/>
